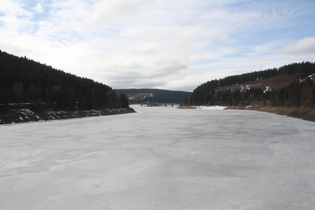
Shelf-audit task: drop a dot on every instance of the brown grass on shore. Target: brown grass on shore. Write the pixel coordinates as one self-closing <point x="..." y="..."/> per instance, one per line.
<point x="186" y="107"/>
<point x="305" y="113"/>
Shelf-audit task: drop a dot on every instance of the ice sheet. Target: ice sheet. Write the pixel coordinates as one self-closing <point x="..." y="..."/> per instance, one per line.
<point x="160" y="158"/>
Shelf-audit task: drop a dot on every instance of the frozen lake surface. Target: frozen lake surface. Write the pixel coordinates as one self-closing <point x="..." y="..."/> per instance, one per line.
<point x="160" y="158"/>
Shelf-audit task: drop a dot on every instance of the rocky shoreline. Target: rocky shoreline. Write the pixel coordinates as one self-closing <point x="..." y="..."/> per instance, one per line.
<point x="186" y="107"/>
<point x="301" y="112"/>
<point x="305" y="113"/>
<point x="27" y="115"/>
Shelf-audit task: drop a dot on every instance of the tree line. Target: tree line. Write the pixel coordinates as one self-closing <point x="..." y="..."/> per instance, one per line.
<point x="301" y="91"/>
<point x="24" y="81"/>
<point x="154" y="95"/>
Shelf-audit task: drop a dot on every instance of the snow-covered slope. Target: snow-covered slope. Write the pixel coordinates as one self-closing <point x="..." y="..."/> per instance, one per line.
<point x="160" y="158"/>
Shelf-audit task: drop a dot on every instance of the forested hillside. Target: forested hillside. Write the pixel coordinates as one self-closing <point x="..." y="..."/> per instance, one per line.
<point x="25" y="83"/>
<point x="290" y="85"/>
<point x="139" y="96"/>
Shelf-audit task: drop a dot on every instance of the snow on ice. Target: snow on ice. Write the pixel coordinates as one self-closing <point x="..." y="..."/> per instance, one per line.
<point x="160" y="158"/>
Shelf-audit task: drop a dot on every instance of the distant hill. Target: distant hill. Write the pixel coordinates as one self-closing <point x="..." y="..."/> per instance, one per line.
<point x="139" y="96"/>
<point x="26" y="84"/>
<point x="290" y="85"/>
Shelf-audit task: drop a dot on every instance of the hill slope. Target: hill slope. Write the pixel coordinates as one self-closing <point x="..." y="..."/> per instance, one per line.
<point x="290" y="85"/>
<point x="289" y="90"/>
<point x="29" y="85"/>
<point x="137" y="96"/>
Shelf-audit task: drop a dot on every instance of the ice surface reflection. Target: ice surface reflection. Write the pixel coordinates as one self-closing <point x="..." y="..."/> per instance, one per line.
<point x="160" y="158"/>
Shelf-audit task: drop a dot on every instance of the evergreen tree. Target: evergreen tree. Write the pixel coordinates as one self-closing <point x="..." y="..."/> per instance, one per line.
<point x="27" y="82"/>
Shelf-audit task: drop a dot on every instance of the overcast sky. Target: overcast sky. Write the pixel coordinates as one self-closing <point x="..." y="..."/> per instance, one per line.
<point x="167" y="44"/>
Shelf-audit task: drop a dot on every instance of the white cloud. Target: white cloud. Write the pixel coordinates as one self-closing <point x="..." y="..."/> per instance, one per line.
<point x="302" y="47"/>
<point x="153" y="43"/>
<point x="13" y="8"/>
<point x="39" y="8"/>
<point x="14" y="18"/>
<point x="106" y="12"/>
